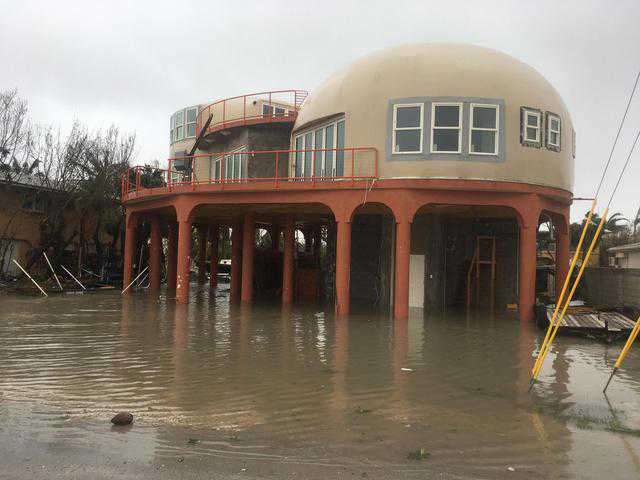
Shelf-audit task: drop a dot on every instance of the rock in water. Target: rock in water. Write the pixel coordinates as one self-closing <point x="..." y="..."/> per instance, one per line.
<point x="122" y="418"/>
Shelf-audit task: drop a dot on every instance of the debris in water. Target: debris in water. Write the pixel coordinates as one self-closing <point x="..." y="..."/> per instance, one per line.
<point x="122" y="418"/>
<point x="418" y="454"/>
<point x="406" y="369"/>
<point x="193" y="441"/>
<point x="362" y="411"/>
<point x="511" y="469"/>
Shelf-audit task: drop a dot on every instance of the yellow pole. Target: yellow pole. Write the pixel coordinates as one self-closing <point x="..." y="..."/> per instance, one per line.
<point x="566" y="284"/>
<point x="544" y="352"/>
<point x="623" y="353"/>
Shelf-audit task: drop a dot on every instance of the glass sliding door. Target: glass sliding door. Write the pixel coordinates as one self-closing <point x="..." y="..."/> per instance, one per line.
<point x="329" y="137"/>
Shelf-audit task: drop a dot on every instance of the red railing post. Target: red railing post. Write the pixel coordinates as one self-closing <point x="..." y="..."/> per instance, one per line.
<point x="169" y="176"/>
<point x="277" y="169"/>
<point x="353" y="167"/>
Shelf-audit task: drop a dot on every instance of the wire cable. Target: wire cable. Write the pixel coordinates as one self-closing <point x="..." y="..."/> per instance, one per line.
<point x="615" y="141"/>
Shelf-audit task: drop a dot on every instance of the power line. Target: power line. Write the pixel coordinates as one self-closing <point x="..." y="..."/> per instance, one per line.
<point x="615" y="141"/>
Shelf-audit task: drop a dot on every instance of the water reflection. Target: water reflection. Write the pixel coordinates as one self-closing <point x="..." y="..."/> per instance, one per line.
<point x="263" y="380"/>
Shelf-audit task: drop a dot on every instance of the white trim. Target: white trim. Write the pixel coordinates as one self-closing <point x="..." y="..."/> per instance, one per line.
<point x="434" y="127"/>
<point x="395" y="128"/>
<point x="496" y="130"/>
<point x="538" y="127"/>
<point x="553" y="116"/>
<point x="322" y="155"/>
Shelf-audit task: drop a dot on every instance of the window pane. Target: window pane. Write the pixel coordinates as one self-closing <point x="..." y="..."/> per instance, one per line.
<point x="445" y="140"/>
<point x="179" y="133"/>
<point x="407" y="117"/>
<point x="555" y="124"/>
<point x="447" y="115"/>
<point x="532" y="120"/>
<point x="484" y="117"/>
<point x="532" y="134"/>
<point x="216" y="174"/>
<point x="173" y="121"/>
<point x="179" y="118"/>
<point x="191" y="130"/>
<point x="237" y="160"/>
<point x="408" y="140"/>
<point x="279" y="112"/>
<point x="483" y="141"/>
<point x="267" y="109"/>
<point x="308" y="145"/>
<point x="340" y="149"/>
<point x="318" y="155"/>
<point x="298" y="165"/>
<point x="191" y="114"/>
<point x="328" y="155"/>
<point x="553" y="138"/>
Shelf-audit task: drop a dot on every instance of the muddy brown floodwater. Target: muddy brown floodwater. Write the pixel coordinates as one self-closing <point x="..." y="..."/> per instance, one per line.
<point x="257" y="392"/>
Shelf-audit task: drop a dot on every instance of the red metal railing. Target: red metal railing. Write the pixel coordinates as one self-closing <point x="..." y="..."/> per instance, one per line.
<point x="326" y="167"/>
<point x="283" y="105"/>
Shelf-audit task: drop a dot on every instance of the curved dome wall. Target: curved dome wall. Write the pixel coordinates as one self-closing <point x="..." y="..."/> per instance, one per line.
<point x="428" y="74"/>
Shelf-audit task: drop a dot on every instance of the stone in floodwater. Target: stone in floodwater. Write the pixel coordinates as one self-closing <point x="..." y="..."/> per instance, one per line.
<point x="122" y="418"/>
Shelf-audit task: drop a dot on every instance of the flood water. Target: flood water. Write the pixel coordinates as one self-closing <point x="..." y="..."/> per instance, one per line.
<point x="258" y="390"/>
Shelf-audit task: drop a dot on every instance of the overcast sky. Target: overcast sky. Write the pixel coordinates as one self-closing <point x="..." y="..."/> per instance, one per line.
<point x="134" y="63"/>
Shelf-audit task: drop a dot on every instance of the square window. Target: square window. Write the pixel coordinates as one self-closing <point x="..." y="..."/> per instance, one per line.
<point x="531" y="127"/>
<point x="191" y="114"/>
<point x="407" y="128"/>
<point x="279" y="112"/>
<point x="446" y="127"/>
<point x="180" y="118"/>
<point x="179" y="133"/>
<point x="483" y="134"/>
<point x="191" y="130"/>
<point x="554" y="127"/>
<point x="267" y="109"/>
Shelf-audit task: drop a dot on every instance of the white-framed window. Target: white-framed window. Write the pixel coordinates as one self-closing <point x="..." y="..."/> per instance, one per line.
<point x="235" y="165"/>
<point x="531" y="127"/>
<point x="269" y="110"/>
<point x="484" y="127"/>
<point x="407" y="128"/>
<point x="446" y="127"/>
<point x="183" y="124"/>
<point x="553" y="130"/>
<point x="192" y="114"/>
<point x="321" y="147"/>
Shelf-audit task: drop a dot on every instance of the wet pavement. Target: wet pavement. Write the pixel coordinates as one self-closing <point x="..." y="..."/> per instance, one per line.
<point x="259" y="392"/>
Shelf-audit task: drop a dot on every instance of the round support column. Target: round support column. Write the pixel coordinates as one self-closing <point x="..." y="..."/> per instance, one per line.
<point x="131" y="224"/>
<point x="403" y="252"/>
<point x="288" y="261"/>
<point x="343" y="267"/>
<point x="562" y="260"/>
<point x="213" y="255"/>
<point x="248" y="247"/>
<point x="527" y="270"/>
<point x="172" y="257"/>
<point x="184" y="261"/>
<point x="202" y="254"/>
<point x="236" y="259"/>
<point x="154" y="254"/>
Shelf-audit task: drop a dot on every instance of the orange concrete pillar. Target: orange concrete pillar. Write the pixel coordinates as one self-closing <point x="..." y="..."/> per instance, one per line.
<point x="343" y="267"/>
<point x="154" y="254"/>
<point x="275" y="237"/>
<point x="202" y="253"/>
<point x="236" y="259"/>
<point x="172" y="257"/>
<point x="403" y="252"/>
<point x="184" y="261"/>
<point x="248" y="247"/>
<point x="131" y="224"/>
<point x="562" y="260"/>
<point x="287" y="267"/>
<point x="527" y="269"/>
<point x="213" y="255"/>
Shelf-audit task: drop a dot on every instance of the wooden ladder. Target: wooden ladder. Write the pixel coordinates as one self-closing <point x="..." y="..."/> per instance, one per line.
<point x="482" y="258"/>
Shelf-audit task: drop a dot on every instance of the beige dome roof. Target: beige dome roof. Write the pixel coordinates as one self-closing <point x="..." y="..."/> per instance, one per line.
<point x="365" y="90"/>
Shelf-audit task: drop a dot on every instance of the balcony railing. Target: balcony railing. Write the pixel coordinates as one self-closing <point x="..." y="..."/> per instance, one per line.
<point x="265" y="169"/>
<point x="263" y="107"/>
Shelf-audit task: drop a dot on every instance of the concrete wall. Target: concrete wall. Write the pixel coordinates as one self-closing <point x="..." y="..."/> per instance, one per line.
<point x="612" y="287"/>
<point x="364" y="90"/>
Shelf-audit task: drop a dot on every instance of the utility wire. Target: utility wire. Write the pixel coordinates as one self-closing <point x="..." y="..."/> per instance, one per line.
<point x="615" y="141"/>
<point x="624" y="168"/>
